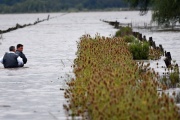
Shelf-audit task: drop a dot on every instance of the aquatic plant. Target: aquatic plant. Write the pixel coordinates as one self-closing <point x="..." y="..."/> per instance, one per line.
<point x="171" y="77"/>
<point x="129" y="38"/>
<point x="174" y="78"/>
<point x="139" y="50"/>
<point x="108" y="84"/>
<point x="123" y="32"/>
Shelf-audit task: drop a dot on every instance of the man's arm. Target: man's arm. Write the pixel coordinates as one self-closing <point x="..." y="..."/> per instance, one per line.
<point x="20" y="61"/>
<point x="24" y="59"/>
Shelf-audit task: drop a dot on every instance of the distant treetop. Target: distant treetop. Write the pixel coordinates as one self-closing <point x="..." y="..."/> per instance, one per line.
<point x="164" y="12"/>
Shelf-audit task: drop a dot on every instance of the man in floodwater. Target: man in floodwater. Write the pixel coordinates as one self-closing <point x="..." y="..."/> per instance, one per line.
<point x="19" y="51"/>
<point x="11" y="59"/>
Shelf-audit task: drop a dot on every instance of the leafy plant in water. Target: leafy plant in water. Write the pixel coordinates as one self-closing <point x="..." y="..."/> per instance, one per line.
<point x="174" y="75"/>
<point x="171" y="78"/>
<point x="129" y="38"/>
<point x="123" y="32"/>
<point x="139" y="50"/>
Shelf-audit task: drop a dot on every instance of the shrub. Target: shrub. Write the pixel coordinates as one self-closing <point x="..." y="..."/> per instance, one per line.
<point x="123" y="32"/>
<point x="129" y="38"/>
<point x="139" y="50"/>
<point x="142" y="50"/>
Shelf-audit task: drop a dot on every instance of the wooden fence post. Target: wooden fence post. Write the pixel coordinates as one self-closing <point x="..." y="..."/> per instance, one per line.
<point x="140" y="36"/>
<point x="144" y="38"/>
<point x="150" y="41"/>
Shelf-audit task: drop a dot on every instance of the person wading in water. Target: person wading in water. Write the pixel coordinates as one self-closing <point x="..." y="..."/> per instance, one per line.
<point x="19" y="51"/>
<point x="11" y="59"/>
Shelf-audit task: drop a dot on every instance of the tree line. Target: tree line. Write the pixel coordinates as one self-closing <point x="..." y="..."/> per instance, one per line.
<point x="29" y="6"/>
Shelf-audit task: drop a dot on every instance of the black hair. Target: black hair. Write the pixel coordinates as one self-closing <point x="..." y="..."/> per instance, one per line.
<point x="11" y="48"/>
<point x="19" y="45"/>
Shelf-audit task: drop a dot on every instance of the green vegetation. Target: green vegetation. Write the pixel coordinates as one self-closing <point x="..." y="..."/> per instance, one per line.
<point x="24" y="6"/>
<point x="129" y="38"/>
<point x="141" y="4"/>
<point x="124" y="31"/>
<point x="171" y="76"/>
<point x="108" y="85"/>
<point x="139" y="50"/>
<point x="165" y="12"/>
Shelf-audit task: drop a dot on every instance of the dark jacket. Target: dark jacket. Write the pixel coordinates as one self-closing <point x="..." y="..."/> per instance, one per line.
<point x="10" y="60"/>
<point x="22" y="56"/>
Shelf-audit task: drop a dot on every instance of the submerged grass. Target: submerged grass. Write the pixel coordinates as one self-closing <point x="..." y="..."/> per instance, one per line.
<point x="170" y="77"/>
<point x="109" y="85"/>
<point x="124" y="31"/>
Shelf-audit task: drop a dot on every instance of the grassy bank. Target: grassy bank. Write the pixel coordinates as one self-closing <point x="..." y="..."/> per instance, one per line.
<point x="110" y="85"/>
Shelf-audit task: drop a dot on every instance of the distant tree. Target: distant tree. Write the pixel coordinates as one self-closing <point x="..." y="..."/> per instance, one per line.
<point x="141" y="4"/>
<point x="164" y="12"/>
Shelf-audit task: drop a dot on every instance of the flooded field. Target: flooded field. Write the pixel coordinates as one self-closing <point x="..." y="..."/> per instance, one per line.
<point x="34" y="92"/>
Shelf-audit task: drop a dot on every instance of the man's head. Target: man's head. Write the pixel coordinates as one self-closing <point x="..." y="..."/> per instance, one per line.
<point x="19" y="47"/>
<point x="12" y="49"/>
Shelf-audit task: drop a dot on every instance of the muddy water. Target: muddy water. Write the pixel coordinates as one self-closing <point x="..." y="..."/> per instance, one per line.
<point x="33" y="92"/>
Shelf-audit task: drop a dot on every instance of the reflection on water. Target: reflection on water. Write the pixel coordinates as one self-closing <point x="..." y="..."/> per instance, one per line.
<point x="33" y="92"/>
